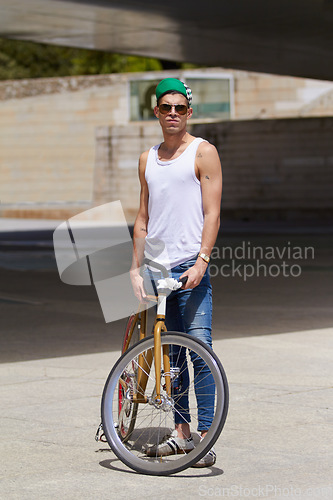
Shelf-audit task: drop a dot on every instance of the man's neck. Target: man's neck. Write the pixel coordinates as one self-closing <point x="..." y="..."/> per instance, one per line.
<point x="173" y="142"/>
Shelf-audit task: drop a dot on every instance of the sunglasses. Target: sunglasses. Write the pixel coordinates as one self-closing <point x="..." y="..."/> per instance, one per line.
<point x="181" y="109"/>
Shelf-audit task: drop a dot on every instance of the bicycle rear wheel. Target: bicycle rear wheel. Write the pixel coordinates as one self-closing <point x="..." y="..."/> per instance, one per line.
<point x="127" y="409"/>
<point x="155" y="420"/>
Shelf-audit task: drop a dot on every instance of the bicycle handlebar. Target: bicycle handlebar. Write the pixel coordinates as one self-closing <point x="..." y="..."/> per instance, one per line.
<point x="183" y="279"/>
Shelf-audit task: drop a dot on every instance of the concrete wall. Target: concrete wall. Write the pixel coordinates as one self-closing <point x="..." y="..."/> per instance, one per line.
<point x="270" y="96"/>
<point x="47" y="133"/>
<point x="272" y="169"/>
<point x="117" y="155"/>
<point x="47" y="140"/>
<point x="276" y="168"/>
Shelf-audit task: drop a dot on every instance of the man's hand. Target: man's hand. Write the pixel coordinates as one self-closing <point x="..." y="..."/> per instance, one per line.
<point x="195" y="274"/>
<point x="137" y="284"/>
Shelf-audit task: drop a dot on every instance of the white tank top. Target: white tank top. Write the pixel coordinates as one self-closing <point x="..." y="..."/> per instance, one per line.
<point x="174" y="207"/>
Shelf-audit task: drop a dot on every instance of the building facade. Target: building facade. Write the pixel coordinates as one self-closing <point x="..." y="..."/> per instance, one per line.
<point x="67" y="144"/>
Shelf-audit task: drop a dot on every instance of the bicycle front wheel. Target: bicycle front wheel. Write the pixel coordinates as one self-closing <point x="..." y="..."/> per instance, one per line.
<point x="199" y="397"/>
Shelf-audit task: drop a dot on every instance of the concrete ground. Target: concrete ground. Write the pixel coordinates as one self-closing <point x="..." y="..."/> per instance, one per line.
<point x="272" y="333"/>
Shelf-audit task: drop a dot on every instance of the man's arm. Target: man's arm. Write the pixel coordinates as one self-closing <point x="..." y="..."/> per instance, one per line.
<point x="140" y="232"/>
<point x="209" y="172"/>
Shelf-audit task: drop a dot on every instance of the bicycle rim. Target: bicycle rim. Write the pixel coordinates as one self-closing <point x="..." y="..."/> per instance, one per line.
<point x="155" y="421"/>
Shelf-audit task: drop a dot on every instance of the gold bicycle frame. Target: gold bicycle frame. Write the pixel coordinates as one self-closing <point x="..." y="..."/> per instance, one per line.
<point x="146" y="359"/>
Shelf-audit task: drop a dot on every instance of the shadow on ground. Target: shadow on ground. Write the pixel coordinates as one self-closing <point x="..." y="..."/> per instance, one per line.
<point x="44" y="318"/>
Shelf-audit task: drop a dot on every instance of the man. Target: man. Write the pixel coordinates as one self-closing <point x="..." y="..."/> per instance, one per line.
<point x="181" y="186"/>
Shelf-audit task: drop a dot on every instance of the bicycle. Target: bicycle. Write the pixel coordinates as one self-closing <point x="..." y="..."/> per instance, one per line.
<point x="143" y="391"/>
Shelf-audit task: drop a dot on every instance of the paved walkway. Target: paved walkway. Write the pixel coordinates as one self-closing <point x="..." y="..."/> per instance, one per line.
<point x="273" y="335"/>
<point x="277" y="437"/>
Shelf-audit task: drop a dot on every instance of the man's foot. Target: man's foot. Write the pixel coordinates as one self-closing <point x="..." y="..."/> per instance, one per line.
<point x="171" y="445"/>
<point x="207" y="460"/>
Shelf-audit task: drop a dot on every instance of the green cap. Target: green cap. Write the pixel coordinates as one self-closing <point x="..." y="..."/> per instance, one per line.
<point x="173" y="84"/>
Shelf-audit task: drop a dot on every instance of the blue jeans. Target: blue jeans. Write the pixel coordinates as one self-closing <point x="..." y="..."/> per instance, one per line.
<point x="190" y="311"/>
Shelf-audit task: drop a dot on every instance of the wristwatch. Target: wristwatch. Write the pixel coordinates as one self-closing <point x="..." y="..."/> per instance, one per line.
<point x="205" y="257"/>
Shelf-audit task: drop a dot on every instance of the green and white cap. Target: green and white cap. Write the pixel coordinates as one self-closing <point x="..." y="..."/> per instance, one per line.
<point x="173" y="84"/>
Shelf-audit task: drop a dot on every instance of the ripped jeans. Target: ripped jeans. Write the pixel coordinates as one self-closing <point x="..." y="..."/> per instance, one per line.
<point x="190" y="311"/>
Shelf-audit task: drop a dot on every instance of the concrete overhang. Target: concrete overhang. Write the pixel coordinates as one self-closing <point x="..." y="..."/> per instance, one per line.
<point x="290" y="37"/>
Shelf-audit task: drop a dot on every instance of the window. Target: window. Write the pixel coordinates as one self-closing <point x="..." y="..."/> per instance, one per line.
<point x="143" y="99"/>
<point x="211" y="97"/>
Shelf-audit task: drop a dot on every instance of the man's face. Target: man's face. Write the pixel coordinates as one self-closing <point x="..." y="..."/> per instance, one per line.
<point x="172" y="122"/>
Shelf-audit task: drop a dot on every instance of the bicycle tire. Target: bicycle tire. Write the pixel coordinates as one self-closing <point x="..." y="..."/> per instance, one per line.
<point x="152" y="421"/>
<point x="127" y="410"/>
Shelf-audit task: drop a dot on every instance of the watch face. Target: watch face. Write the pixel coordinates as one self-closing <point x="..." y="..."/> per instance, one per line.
<point x="204" y="257"/>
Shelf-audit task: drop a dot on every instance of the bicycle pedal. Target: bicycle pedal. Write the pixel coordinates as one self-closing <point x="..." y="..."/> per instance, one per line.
<point x="100" y="436"/>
